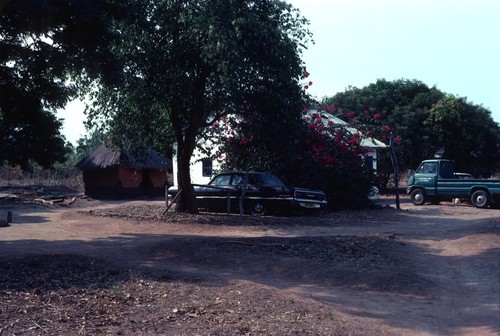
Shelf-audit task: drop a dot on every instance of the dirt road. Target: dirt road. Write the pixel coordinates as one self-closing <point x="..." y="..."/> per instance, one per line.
<point x="430" y="270"/>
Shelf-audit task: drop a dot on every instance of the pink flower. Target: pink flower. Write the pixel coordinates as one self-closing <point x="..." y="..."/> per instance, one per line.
<point x="385" y="128"/>
<point x="366" y="112"/>
<point x="331" y="108"/>
<point x="377" y="116"/>
<point x="306" y="87"/>
<point x="352" y="141"/>
<point x="229" y="138"/>
<point x="351" y="114"/>
<point x="310" y="83"/>
<point x="356" y="135"/>
<point x="305" y="74"/>
<point x="330" y="123"/>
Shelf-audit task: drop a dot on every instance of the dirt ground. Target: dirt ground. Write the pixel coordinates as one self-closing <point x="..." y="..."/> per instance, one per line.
<point x="121" y="268"/>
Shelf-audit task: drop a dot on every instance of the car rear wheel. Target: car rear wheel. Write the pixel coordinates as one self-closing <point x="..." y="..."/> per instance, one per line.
<point x="258" y="208"/>
<point x="480" y="199"/>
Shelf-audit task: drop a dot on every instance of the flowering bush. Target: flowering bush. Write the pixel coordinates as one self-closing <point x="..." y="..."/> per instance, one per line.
<point x="314" y="149"/>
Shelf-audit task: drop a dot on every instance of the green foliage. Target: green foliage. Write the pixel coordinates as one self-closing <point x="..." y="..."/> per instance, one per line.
<point x="402" y="104"/>
<point x="43" y="43"/>
<point x="465" y="133"/>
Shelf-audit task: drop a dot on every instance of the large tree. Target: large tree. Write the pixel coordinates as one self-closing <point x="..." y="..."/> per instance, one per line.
<point x="403" y="106"/>
<point x="42" y="45"/>
<point x="465" y="133"/>
<point x="429" y="122"/>
<point x="190" y="63"/>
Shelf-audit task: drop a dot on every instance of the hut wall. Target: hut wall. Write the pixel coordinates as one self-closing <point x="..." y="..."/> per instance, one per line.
<point x="129" y="177"/>
<point x="101" y="177"/>
<point x="158" y="178"/>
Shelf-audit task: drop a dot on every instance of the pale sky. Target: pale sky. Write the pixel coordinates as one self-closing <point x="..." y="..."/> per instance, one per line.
<point x="451" y="44"/>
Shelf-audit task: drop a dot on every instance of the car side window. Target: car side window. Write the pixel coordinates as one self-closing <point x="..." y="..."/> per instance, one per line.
<point x="237" y="180"/>
<point x="221" y="180"/>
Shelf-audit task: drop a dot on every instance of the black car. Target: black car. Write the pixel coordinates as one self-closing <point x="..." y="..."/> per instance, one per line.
<point x="263" y="193"/>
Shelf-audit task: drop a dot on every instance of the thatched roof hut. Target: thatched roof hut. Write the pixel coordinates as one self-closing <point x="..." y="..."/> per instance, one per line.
<point x="108" y="172"/>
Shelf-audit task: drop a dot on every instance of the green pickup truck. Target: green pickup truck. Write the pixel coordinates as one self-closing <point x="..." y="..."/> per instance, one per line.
<point x="435" y="181"/>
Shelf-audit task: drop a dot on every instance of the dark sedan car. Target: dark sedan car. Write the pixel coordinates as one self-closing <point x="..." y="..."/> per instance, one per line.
<point x="263" y="193"/>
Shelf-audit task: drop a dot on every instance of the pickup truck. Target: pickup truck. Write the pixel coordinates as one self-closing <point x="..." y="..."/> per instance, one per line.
<point x="435" y="181"/>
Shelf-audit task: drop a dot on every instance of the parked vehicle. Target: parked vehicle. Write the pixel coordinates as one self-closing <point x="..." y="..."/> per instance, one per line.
<point x="263" y="193"/>
<point x="435" y="181"/>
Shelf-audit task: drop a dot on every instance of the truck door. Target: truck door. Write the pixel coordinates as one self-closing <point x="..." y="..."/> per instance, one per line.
<point x="427" y="176"/>
<point x="447" y="183"/>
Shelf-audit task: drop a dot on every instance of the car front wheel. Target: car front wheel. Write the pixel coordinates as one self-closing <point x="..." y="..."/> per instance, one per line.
<point x="418" y="197"/>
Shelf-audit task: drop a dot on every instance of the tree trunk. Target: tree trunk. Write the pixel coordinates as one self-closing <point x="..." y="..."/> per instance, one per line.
<point x="394" y="160"/>
<point x="187" y="199"/>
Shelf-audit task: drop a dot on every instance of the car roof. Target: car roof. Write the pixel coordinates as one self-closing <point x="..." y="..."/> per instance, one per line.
<point x="244" y="172"/>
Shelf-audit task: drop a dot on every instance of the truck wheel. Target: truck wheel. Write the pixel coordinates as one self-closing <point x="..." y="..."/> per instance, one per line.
<point x="418" y="197"/>
<point x="480" y="199"/>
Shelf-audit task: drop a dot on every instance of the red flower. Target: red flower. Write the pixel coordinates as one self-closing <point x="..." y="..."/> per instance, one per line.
<point x="377" y="116"/>
<point x="366" y="112"/>
<point x="330" y="123"/>
<point x="352" y="141"/>
<point x="310" y="83"/>
<point x="356" y="135"/>
<point x="306" y="87"/>
<point x="385" y="128"/>
<point x="351" y="114"/>
<point x="305" y="74"/>
<point x="328" y="159"/>
<point x="229" y="138"/>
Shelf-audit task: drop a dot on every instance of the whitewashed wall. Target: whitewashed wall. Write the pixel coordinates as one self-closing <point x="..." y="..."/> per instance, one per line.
<point x="196" y="170"/>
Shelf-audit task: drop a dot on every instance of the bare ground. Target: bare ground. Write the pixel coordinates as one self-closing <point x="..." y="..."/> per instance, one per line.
<point x="121" y="268"/>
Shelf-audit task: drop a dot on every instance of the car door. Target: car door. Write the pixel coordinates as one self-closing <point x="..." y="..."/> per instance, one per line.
<point x="214" y="195"/>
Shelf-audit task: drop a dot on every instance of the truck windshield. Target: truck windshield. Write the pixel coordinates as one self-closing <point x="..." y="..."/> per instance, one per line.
<point x="427" y="168"/>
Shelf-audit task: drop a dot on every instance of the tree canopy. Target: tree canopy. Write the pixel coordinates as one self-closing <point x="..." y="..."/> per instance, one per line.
<point x="42" y="45"/>
<point x="190" y="63"/>
<point x="428" y="123"/>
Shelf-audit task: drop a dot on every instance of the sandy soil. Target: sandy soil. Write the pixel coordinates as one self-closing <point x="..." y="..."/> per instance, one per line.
<point x="429" y="270"/>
